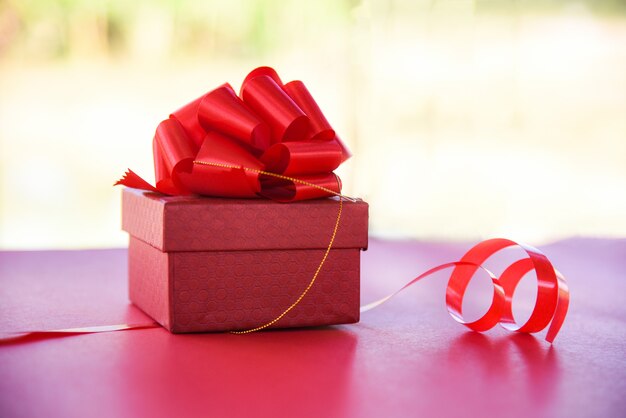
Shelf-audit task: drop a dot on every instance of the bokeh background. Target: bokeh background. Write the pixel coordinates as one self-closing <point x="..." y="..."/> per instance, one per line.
<point x="467" y="119"/>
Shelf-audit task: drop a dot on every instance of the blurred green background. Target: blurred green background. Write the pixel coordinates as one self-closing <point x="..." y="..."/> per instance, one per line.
<point x="467" y="119"/>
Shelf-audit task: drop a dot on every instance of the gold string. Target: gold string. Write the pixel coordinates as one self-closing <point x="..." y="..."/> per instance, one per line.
<point x="328" y="248"/>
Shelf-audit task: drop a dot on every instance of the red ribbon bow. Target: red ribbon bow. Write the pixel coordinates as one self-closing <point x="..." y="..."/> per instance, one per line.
<point x="226" y="145"/>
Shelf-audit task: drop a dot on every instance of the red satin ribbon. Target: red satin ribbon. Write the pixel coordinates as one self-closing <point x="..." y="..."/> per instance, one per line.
<point x="14" y="337"/>
<point x="270" y="126"/>
<point x="552" y="291"/>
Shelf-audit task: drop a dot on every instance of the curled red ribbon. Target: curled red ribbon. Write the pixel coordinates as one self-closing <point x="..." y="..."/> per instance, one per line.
<point x="552" y="292"/>
<point x="270" y="127"/>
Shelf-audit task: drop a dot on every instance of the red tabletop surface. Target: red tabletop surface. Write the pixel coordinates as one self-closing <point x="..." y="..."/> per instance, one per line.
<point x="405" y="358"/>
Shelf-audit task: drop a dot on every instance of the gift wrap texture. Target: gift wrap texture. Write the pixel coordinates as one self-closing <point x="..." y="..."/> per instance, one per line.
<point x="199" y="264"/>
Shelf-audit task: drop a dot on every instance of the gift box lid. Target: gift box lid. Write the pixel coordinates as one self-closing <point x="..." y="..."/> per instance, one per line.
<point x="193" y="223"/>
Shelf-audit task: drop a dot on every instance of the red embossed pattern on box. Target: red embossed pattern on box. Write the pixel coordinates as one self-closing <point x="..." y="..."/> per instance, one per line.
<point x="211" y="290"/>
<point x="183" y="223"/>
<point x="148" y="280"/>
<point x="216" y="291"/>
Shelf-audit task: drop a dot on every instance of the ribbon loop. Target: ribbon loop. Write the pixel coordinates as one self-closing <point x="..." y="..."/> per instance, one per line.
<point x="187" y="116"/>
<point x="286" y="120"/>
<point x="222" y="110"/>
<point x="303" y="157"/>
<point x="225" y="176"/>
<point x="319" y="126"/>
<point x="284" y="189"/>
<point x="174" y="153"/>
<point x="259" y="71"/>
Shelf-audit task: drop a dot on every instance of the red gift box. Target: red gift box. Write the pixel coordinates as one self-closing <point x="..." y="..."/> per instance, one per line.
<point x="200" y="264"/>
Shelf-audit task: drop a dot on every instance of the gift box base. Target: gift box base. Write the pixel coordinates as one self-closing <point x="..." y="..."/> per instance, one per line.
<point x="203" y="291"/>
